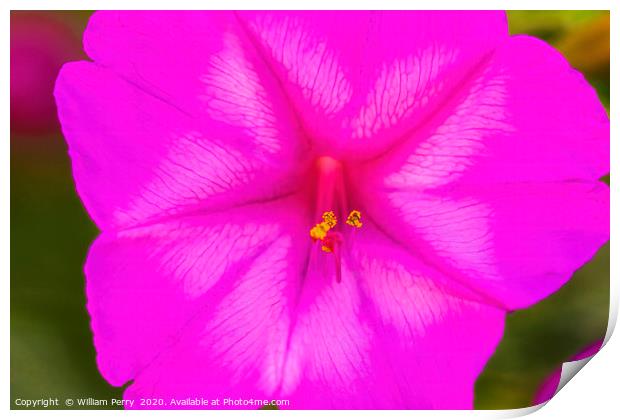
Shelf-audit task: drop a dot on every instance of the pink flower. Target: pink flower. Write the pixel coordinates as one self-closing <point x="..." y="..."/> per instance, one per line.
<point x="549" y="386"/>
<point x="207" y="145"/>
<point x="39" y="47"/>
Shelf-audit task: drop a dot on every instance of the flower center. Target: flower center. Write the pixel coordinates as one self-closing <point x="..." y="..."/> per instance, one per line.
<point x="331" y="205"/>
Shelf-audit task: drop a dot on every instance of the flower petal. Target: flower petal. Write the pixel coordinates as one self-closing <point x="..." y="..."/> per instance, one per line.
<point x="176" y="114"/>
<point x="362" y="79"/>
<point x="363" y="343"/>
<point x="239" y="268"/>
<point x="500" y="188"/>
<point x="392" y="334"/>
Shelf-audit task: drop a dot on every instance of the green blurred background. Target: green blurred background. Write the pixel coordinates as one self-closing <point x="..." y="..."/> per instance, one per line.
<point x="51" y="345"/>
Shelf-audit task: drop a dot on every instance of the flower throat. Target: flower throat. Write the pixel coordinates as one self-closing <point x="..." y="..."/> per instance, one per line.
<point x="331" y="205"/>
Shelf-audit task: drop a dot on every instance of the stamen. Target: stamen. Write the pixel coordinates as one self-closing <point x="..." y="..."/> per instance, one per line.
<point x="319" y="231"/>
<point x="330" y="218"/>
<point x="355" y="219"/>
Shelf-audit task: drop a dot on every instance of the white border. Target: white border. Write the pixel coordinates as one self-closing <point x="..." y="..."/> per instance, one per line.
<point x="593" y="394"/>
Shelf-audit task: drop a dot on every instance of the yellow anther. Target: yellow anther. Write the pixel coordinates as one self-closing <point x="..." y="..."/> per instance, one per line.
<point x="319" y="231"/>
<point x="326" y="248"/>
<point x="330" y="218"/>
<point x="355" y="219"/>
